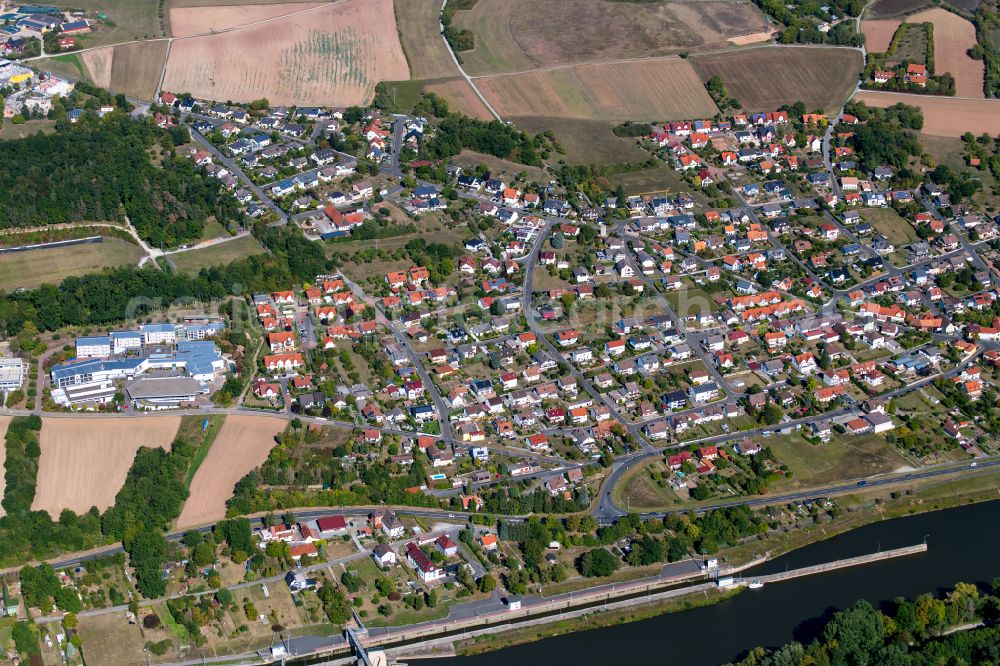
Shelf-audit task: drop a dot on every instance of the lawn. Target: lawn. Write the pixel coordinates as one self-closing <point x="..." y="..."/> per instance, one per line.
<point x="889" y="223"/>
<point x="50" y="265"/>
<point x="651" y="181"/>
<point x="844" y="458"/>
<point x="67" y="65"/>
<point x="692" y="299"/>
<point x="110" y="639"/>
<point x="219" y="254"/>
<point x="207" y="437"/>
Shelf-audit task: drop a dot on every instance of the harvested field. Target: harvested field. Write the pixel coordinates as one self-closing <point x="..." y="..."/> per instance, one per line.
<point x="84" y="460"/>
<point x="332" y="55"/>
<point x="98" y="64"/>
<point x="953" y="37"/>
<point x="50" y="265"/>
<point x="585" y="141"/>
<point x="944" y="116"/>
<point x="461" y="97"/>
<point x="417" y="22"/>
<point x="4" y="422"/>
<point x="653" y="89"/>
<point x="878" y="34"/>
<point x="241" y="445"/>
<point x="752" y="38"/>
<point x="136" y="69"/>
<point x="763" y="79"/>
<point x="518" y="35"/>
<point x="188" y="21"/>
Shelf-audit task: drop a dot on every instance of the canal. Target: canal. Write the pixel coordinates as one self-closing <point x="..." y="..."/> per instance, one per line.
<point x="963" y="546"/>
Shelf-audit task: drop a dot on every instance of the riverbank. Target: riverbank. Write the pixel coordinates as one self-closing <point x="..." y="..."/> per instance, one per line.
<point x="596" y="619"/>
<point x="860" y="510"/>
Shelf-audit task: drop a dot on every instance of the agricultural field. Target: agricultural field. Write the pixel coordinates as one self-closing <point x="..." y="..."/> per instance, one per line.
<point x="953" y="37"/>
<point x="883" y="9"/>
<point x="50" y="265"/>
<point x="241" y="445"/>
<point x="332" y="55"/>
<point x="654" y="89"/>
<point x="419" y="32"/>
<point x="219" y="254"/>
<point x="518" y="35"/>
<point x="189" y="21"/>
<point x="878" y="34"/>
<point x="4" y="422"/>
<point x="763" y="79"/>
<point x="888" y="223"/>
<point x="84" y="460"/>
<point x="460" y="96"/>
<point x="136" y="69"/>
<point x="944" y="116"/>
<point x="127" y="20"/>
<point x="585" y="141"/>
<point x="98" y="62"/>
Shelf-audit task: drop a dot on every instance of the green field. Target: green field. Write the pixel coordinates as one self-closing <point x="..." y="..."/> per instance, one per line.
<point x="68" y="66"/>
<point x="844" y="458"/>
<point x="12" y="131"/>
<point x="220" y="254"/>
<point x="127" y="20"/>
<point x="34" y="267"/>
<point x="585" y="141"/>
<point x="888" y="223"/>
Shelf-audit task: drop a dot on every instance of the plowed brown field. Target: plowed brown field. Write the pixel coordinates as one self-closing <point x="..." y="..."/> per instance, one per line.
<point x="241" y="445"/>
<point x="651" y="89"/>
<point x="331" y="56"/>
<point x="85" y="460"/>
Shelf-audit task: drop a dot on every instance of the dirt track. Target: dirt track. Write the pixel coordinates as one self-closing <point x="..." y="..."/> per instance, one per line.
<point x="85" y="461"/>
<point x="241" y="445"/>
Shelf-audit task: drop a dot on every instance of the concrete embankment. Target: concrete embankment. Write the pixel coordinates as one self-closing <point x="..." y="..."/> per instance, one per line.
<point x="582" y="604"/>
<point x="843" y="564"/>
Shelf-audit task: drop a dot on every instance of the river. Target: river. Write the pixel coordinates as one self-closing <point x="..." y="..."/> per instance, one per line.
<point x="963" y="546"/>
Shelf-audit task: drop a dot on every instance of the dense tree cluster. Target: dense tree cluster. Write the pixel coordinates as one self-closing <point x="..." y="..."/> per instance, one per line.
<point x="456" y="132"/>
<point x="888" y="136"/>
<point x="101" y="169"/>
<point x="909" y="634"/>
<point x="128" y="292"/>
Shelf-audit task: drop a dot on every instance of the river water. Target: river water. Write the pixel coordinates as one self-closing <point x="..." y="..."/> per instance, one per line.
<point x="964" y="545"/>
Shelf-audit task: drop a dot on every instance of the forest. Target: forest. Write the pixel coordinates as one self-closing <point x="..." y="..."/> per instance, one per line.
<point x="102" y="169"/>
